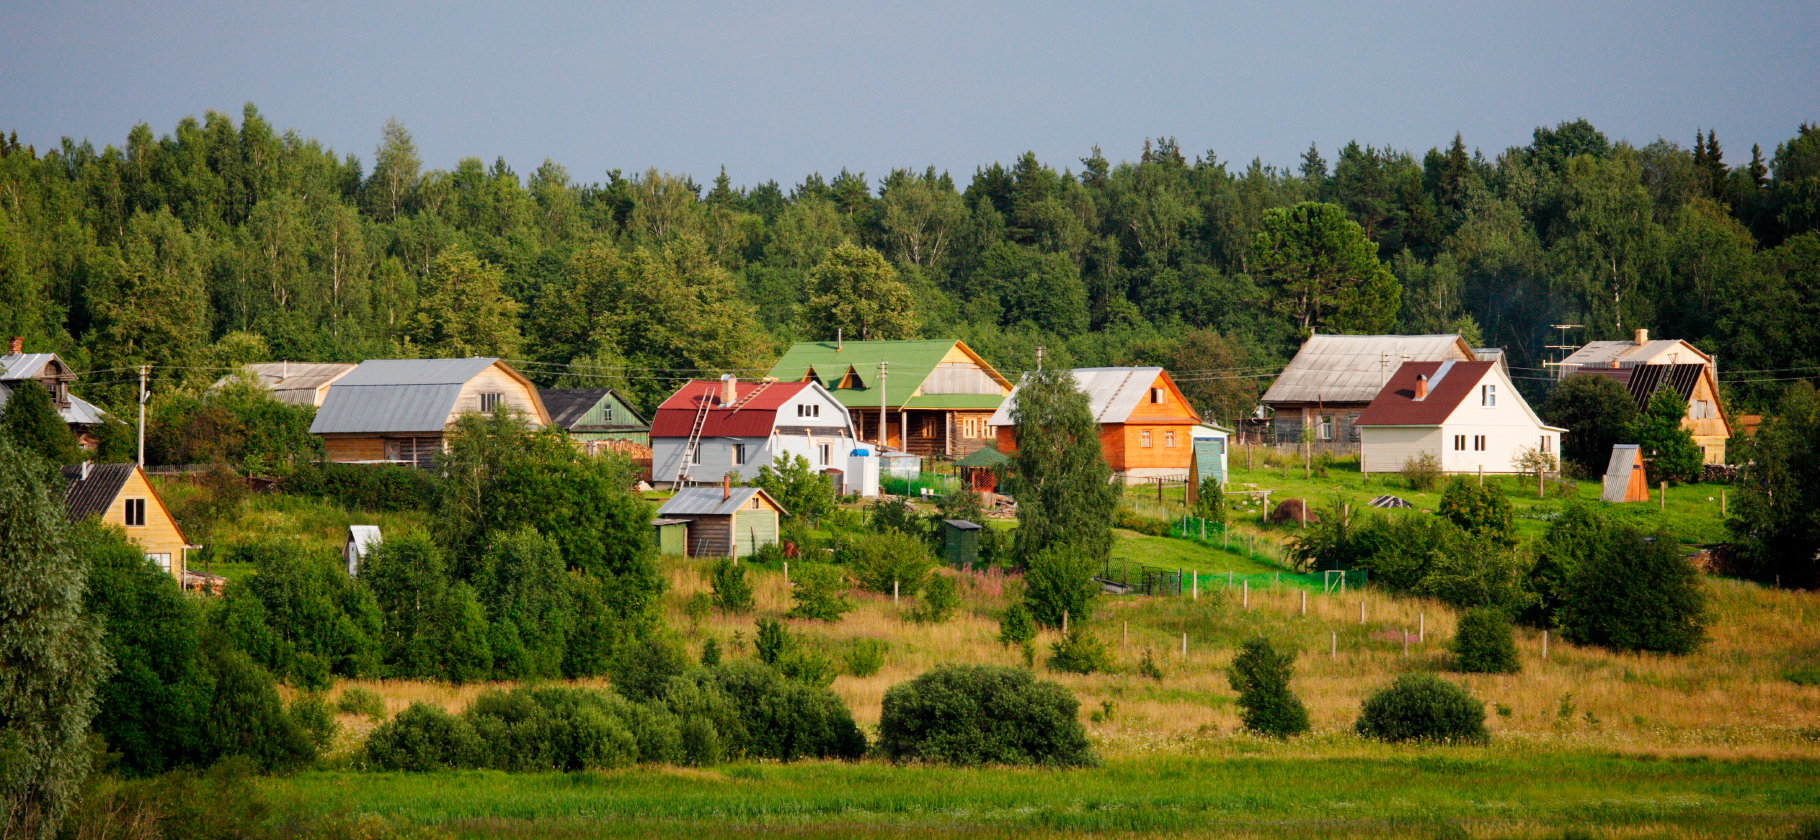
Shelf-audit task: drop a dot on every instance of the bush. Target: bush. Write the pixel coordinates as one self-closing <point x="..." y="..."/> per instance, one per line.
<point x="1485" y="643"/>
<point x="785" y="719"/>
<point x="645" y="667"/>
<point x="804" y="665"/>
<point x="1423" y="707"/>
<point x="982" y="714"/>
<point x="1080" y="652"/>
<point x="1131" y="520"/>
<point x="1260" y="674"/>
<point x="1476" y="508"/>
<point x="820" y="592"/>
<point x="772" y="641"/>
<point x="938" y="601"/>
<point x="421" y="738"/>
<point x="1148" y="667"/>
<point x="1636" y="594"/>
<point x="1422" y="471"/>
<point x="312" y="715"/>
<point x="864" y="657"/>
<point x="355" y="700"/>
<point x="1016" y="626"/>
<point x="1060" y="582"/>
<point x="365" y="487"/>
<point x="879" y="561"/>
<point x="806" y="494"/>
<point x="1210" y="504"/>
<point x="732" y="592"/>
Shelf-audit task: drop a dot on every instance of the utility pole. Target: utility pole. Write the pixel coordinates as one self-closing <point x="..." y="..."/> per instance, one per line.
<point x="884" y="419"/>
<point x="1039" y="358"/>
<point x="143" y="370"/>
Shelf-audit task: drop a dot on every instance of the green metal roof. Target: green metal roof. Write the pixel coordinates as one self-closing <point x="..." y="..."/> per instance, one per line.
<point x="985" y="456"/>
<point x="909" y="364"/>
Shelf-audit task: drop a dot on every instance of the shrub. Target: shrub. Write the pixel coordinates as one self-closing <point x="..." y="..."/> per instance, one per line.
<point x="732" y="592"/>
<point x="1423" y="707"/>
<point x="1636" y="594"/>
<point x="643" y="669"/>
<point x="785" y="719"/>
<point x="1578" y="533"/>
<point x="313" y="717"/>
<point x="1260" y="674"/>
<point x="1148" y="667"/>
<point x="806" y="494"/>
<point x="864" y="657"/>
<point x="421" y="738"/>
<point x="1422" y="471"/>
<point x="1080" y="652"/>
<point x="364" y="487"/>
<point x="1476" y="508"/>
<point x="1016" y="626"/>
<point x="804" y="665"/>
<point x="878" y="561"/>
<point x="1131" y="520"/>
<point x="938" y="601"/>
<point x="710" y="653"/>
<point x="982" y="714"/>
<point x="1476" y="570"/>
<point x="1485" y="643"/>
<point x="820" y="592"/>
<point x="771" y="641"/>
<point x="355" y="700"/>
<point x="1211" y="502"/>
<point x="1060" y="582"/>
<point x="889" y="515"/>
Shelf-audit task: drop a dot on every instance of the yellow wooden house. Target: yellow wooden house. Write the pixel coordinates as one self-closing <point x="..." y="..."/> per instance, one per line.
<point x="118" y="494"/>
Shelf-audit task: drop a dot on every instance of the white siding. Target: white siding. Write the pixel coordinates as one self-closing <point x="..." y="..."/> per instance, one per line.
<point x="832" y="427"/>
<point x="1385" y="448"/>
<point x="1507" y="427"/>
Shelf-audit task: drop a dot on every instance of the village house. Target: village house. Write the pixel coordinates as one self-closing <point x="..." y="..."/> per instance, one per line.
<point x="595" y="414"/>
<point x="56" y="376"/>
<point x="118" y="494"/>
<point x="1334" y="377"/>
<point x="933" y="398"/>
<point x="710" y="430"/>
<point x="395" y="411"/>
<point x="722" y="521"/>
<point x="1466" y="414"/>
<point x="296" y="383"/>
<point x="1645" y="367"/>
<point x="1146" y="425"/>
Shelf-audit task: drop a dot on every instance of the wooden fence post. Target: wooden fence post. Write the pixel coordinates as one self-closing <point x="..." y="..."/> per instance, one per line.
<point x="1361" y="612"/>
<point x="1544" y="644"/>
<point x="1664" y="496"/>
<point x="1422" y="627"/>
<point x="1333" y="644"/>
<point x="1184" y="645"/>
<point x="1247" y="593"/>
<point x="1064" y="621"/>
<point x="1304" y="602"/>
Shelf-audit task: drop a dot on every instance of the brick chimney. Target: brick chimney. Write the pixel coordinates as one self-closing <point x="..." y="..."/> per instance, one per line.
<point x="728" y="393"/>
<point x="726" y="487"/>
<point x="18" y="345"/>
<point x="1421" y="386"/>
<point x="1642" y="337"/>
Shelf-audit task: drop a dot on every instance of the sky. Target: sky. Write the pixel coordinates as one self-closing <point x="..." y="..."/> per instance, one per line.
<point x="780" y="90"/>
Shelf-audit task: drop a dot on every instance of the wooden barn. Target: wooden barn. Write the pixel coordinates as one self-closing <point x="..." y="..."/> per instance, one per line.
<point x="394" y="411"/>
<point x="594" y="414"/>
<point x="724" y="521"/>
<point x="935" y="398"/>
<point x="1146" y="425"/>
<point x="56" y="376"/>
<point x="118" y="494"/>
<point x="1625" y="480"/>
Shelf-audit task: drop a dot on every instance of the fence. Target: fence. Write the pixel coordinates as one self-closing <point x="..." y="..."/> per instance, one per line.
<point x="914" y="487"/>
<point x="1152" y="580"/>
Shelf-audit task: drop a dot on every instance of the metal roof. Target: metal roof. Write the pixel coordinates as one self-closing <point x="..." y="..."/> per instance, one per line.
<point x="909" y="364"/>
<point x="746" y="416"/>
<point x="1643" y="381"/>
<point x="1617" y="473"/>
<point x="568" y="406"/>
<point x="1112" y="393"/>
<point x="81" y="412"/>
<point x="27" y="365"/>
<point x="1353" y="368"/>
<point x="363" y="537"/>
<point x="290" y="382"/>
<point x="396" y="396"/>
<point x="1449" y="384"/>
<point x="415" y="372"/>
<point x="707" y="501"/>
<point x="1631" y="353"/>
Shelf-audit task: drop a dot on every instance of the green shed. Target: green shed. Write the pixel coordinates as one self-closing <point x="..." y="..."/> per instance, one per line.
<point x="590" y="414"/>
<point x="724" y="521"/>
<point x="672" y="536"/>
<point x="960" y="542"/>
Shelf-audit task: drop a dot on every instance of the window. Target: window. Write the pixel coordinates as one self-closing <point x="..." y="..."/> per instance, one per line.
<point x="755" y="503"/>
<point x="739" y="454"/>
<point x="1169" y="440"/>
<point x="1478" y="443"/>
<point x="1459" y="443"/>
<point x="695" y="454"/>
<point x="1144" y="437"/>
<point x="163" y="561"/>
<point x="1548" y="443"/>
<point x="1156" y="396"/>
<point x="606" y="414"/>
<point x="1326" y="427"/>
<point x="1701" y="410"/>
<point x="1488" y="396"/>
<point x="489" y="402"/>
<point x="135" y="512"/>
<point x="809" y="410"/>
<point x="929" y="427"/>
<point x="827" y="454"/>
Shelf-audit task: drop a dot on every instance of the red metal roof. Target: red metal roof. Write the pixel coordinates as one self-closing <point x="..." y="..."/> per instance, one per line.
<point x="752" y="418"/>
<point x="1396" y="405"/>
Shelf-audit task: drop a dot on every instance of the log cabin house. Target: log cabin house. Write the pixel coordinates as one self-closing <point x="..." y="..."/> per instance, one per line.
<point x="935" y="398"/>
<point x="1146" y="425"/>
<point x="395" y="411"/>
<point x="119" y="495"/>
<point x="56" y="376"/>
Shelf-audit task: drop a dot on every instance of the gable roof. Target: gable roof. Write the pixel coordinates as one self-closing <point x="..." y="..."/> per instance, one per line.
<point x="749" y="415"/>
<point x="1617" y="472"/>
<point x="1643" y="381"/>
<point x="81" y="412"/>
<point x="908" y="366"/>
<point x="291" y="382"/>
<point x="707" y="501"/>
<point x="1595" y="354"/>
<point x="1354" y="368"/>
<point x="363" y="537"/>
<point x="29" y="365"/>
<point x="400" y="395"/>
<point x="1112" y="393"/>
<point x="93" y="494"/>
<point x="567" y="407"/>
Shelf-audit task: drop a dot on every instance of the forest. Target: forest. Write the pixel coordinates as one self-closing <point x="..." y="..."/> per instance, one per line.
<point x="220" y="243"/>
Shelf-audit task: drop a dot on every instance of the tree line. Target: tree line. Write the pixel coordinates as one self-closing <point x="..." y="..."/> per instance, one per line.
<point x="221" y="243"/>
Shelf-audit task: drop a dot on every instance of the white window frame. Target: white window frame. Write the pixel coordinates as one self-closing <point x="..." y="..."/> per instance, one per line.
<point x="1156" y="396"/>
<point x="695" y="454"/>
<point x="1169" y="439"/>
<point x="1488" y="396"/>
<point x="1327" y="427"/>
<point x="1144" y="441"/>
<point x="1478" y="443"/>
<point x="827" y="453"/>
<point x="162" y="559"/>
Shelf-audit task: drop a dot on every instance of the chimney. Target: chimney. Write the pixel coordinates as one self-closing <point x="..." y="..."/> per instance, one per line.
<point x="1642" y="337"/>
<point x="18" y="345"/>
<point x="728" y="393"/>
<point x="726" y="487"/>
<point x="86" y="466"/>
<point x="1421" y="386"/>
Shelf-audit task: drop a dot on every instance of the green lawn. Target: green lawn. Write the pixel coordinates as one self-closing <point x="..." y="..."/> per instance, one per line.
<point x="1371" y="792"/>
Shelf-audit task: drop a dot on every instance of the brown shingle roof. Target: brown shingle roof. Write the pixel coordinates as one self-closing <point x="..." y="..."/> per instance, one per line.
<point x="91" y="496"/>
<point x="1396" y="405"/>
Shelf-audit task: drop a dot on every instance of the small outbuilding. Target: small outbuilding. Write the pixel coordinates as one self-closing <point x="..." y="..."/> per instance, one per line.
<point x="672" y="536"/>
<point x="1625" y="480"/>
<point x="724" y="521"/>
<point x="980" y="469"/>
<point x="361" y="539"/>
<point x="960" y="542"/>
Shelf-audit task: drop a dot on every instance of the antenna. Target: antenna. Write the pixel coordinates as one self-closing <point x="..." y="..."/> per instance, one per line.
<point x="1568" y="349"/>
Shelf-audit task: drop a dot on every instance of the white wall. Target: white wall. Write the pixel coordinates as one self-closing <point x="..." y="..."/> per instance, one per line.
<point x="791" y="436"/>
<point x="1385" y="448"/>
<point x="1507" y="427"/>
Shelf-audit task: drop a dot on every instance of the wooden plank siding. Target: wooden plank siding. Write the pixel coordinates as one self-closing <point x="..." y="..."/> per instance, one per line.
<point x="516" y="392"/>
<point x="160" y="533"/>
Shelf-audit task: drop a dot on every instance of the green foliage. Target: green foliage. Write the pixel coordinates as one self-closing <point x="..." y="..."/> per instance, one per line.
<point x="246" y="717"/>
<point x="784" y="719"/>
<point x="1260" y="673"/>
<point x="368" y="487"/>
<point x="317" y="617"/>
<point x="1596" y="411"/>
<point x="1322" y="272"/>
<point x="1422" y="471"/>
<point x="1210" y="502"/>
<point x="1477" y="509"/>
<point x="646" y="667"/>
<point x="529" y="607"/>
<point x="937" y="602"/>
<point x="1060" y="582"/>
<point x="1016" y="626"/>
<point x="880" y="562"/>
<point x="771" y="641"/>
<point x="887" y="515"/>
<point x="239" y="424"/>
<point x="980" y="714"/>
<point x="732" y="592"/>
<point x="464" y="311"/>
<point x="1636" y="594"/>
<point x="1079" y="651"/>
<point x="1477" y="570"/>
<point x="1579" y="533"/>
<point x="1423" y="707"/>
<point x="806" y="495"/>
<point x="1668" y="448"/>
<point x="864" y="657"/>
<point x="1419" y="554"/>
<point x="710" y="653"/>
<point x="1148" y="667"/>
<point x="355" y="700"/>
<point x="1774" y="530"/>
<point x="423" y="738"/>
<point x="819" y="591"/>
<point x="32" y="422"/>
<point x="855" y="289"/>
<point x="55" y="659"/>
<point x="1060" y="479"/>
<point x="311" y="714"/>
<point x="1485" y="643"/>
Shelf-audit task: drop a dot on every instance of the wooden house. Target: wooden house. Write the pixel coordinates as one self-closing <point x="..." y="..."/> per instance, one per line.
<point x="1639" y="349"/>
<point x="931" y="398"/>
<point x="1695" y="384"/>
<point x="56" y="376"/>
<point x="724" y="521"/>
<point x="394" y="411"/>
<point x="1466" y="414"/>
<point x="707" y="431"/>
<point x="595" y="414"/>
<point x="1625" y="480"/>
<point x="1334" y="377"/>
<point x="296" y="383"/>
<point x="1146" y="425"/>
<point x="118" y="494"/>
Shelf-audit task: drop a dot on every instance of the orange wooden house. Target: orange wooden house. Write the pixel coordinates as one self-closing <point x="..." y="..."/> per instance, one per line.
<point x="1146" y="425"/>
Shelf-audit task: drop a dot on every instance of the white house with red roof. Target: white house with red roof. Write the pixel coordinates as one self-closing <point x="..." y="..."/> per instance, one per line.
<point x="1467" y="414"/>
<point x="709" y="430"/>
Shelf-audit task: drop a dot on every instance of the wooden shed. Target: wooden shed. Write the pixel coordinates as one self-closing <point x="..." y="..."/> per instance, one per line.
<point x="1624" y="477"/>
<point x="724" y="521"/>
<point x="672" y="536"/>
<point x="960" y="542"/>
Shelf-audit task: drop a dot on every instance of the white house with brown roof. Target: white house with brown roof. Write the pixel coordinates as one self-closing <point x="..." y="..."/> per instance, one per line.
<point x="1467" y="414"/>
<point x="1334" y="377"/>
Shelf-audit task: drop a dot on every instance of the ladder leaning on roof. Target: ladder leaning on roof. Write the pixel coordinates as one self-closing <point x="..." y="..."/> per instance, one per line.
<point x="701" y="421"/>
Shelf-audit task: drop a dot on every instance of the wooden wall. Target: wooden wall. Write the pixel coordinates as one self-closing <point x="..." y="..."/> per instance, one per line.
<point x="520" y="396"/>
<point x="159" y="534"/>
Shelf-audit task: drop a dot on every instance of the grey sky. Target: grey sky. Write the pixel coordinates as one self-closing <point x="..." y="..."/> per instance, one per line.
<point x="778" y="91"/>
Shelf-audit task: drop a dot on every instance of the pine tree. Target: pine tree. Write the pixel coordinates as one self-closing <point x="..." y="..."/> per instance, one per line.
<point x="1314" y="167"/>
<point x="1759" y="172"/>
<point x="1668" y="448"/>
<point x="1260" y="674"/>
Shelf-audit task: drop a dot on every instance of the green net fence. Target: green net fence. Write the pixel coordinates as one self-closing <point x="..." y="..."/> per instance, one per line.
<point x="1141" y="578"/>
